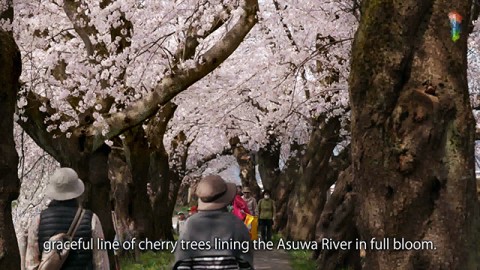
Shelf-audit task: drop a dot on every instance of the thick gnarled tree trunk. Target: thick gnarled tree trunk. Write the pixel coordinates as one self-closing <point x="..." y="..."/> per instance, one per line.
<point x="247" y="166"/>
<point x="168" y="180"/>
<point x="337" y="222"/>
<point x="164" y="177"/>
<point x="310" y="193"/>
<point x="267" y="161"/>
<point x="10" y="69"/>
<point x="122" y="189"/>
<point x="137" y="152"/>
<point x="284" y="185"/>
<point x="412" y="134"/>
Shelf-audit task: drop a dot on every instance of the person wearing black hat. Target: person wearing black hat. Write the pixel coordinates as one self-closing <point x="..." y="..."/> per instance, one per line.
<point x="213" y="224"/>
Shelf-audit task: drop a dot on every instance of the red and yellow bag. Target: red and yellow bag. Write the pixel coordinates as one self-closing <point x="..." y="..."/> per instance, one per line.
<point x="252" y="224"/>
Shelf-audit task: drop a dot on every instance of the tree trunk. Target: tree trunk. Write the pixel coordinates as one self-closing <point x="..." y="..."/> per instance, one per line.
<point x="412" y="134"/>
<point x="93" y="169"/>
<point x="247" y="167"/>
<point x="267" y="161"/>
<point x="337" y="222"/>
<point x="10" y="69"/>
<point x="138" y="158"/>
<point x="306" y="203"/>
<point x="182" y="198"/>
<point x="162" y="178"/>
<point x="170" y="179"/>
<point x="284" y="185"/>
<point x="122" y="188"/>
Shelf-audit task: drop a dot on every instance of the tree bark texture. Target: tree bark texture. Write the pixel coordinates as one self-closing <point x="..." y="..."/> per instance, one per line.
<point x="122" y="189"/>
<point x="168" y="181"/>
<point x="137" y="152"/>
<point x="284" y="185"/>
<point x="267" y="161"/>
<point x="413" y="134"/>
<point x="94" y="171"/>
<point x="10" y="69"/>
<point x="246" y="162"/>
<point x="337" y="222"/>
<point x="309" y="195"/>
<point x="182" y="198"/>
<point x="165" y="180"/>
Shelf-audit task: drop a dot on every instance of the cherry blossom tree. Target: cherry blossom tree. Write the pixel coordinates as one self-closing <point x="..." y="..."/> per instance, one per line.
<point x="10" y="69"/>
<point x="279" y="101"/>
<point x="94" y="69"/>
<point x="295" y="83"/>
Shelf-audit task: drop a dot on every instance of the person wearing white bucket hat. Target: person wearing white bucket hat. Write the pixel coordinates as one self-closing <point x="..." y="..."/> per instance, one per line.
<point x="64" y="188"/>
<point x="64" y="185"/>
<point x="227" y="236"/>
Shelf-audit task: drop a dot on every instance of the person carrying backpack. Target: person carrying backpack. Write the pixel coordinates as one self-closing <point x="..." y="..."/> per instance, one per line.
<point x="266" y="212"/>
<point x="64" y="221"/>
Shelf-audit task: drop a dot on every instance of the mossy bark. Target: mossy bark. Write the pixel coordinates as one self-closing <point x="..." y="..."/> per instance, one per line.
<point x="412" y="134"/>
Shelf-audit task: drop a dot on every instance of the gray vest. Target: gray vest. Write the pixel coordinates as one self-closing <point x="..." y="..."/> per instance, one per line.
<point x="57" y="219"/>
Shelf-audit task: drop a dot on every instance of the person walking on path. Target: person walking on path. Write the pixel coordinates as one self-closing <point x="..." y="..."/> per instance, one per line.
<point x="266" y="212"/>
<point x="213" y="223"/>
<point x="192" y="210"/>
<point x="240" y="207"/>
<point x="251" y="202"/>
<point x="64" y="188"/>
<point x="181" y="220"/>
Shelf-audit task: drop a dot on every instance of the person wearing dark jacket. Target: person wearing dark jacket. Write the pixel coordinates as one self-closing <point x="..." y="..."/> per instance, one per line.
<point x="64" y="188"/>
<point x="213" y="224"/>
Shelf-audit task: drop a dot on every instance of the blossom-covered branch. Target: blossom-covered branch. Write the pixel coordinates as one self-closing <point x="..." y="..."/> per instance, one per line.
<point x="173" y="84"/>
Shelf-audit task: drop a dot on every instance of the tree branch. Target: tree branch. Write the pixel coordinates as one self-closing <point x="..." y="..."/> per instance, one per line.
<point x="285" y="26"/>
<point x="226" y="151"/>
<point x="188" y="48"/>
<point x="157" y="126"/>
<point x="75" y="11"/>
<point x="173" y="84"/>
<point x="36" y="127"/>
<point x="6" y="13"/>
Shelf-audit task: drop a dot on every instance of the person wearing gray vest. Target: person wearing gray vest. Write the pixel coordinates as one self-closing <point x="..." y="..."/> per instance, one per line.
<point x="64" y="188"/>
<point x="224" y="237"/>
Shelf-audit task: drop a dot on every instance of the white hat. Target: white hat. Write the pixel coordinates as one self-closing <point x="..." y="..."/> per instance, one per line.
<point x="64" y="185"/>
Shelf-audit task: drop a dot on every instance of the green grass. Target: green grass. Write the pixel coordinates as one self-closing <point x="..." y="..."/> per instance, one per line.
<point x="299" y="259"/>
<point x="302" y="260"/>
<point x="149" y="261"/>
<point x="275" y="238"/>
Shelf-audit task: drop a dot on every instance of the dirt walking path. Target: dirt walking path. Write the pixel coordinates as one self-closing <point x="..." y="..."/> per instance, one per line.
<point x="274" y="259"/>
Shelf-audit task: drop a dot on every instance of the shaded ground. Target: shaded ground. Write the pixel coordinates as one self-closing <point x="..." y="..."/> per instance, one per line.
<point x="274" y="259"/>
